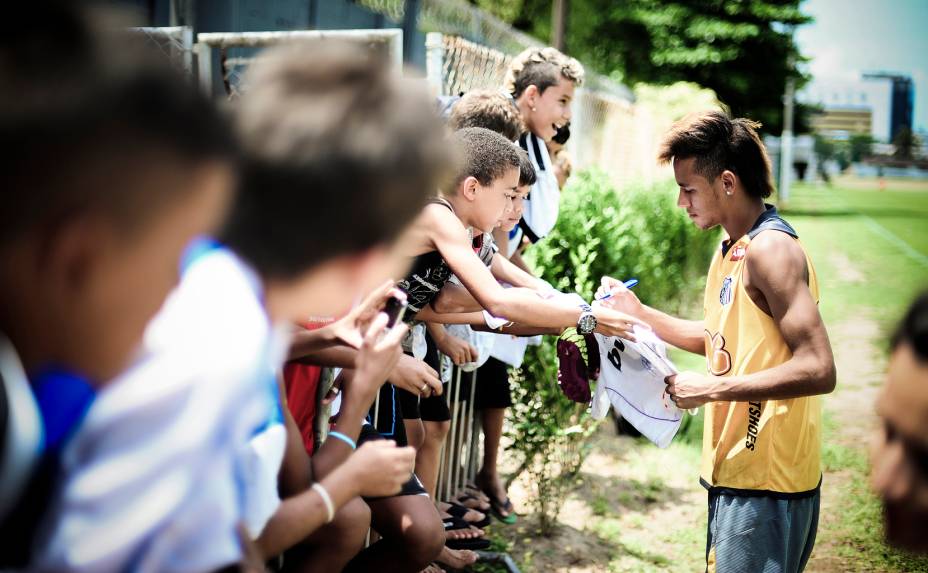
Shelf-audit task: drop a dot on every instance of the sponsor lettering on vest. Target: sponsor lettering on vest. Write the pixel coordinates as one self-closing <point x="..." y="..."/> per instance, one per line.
<point x="754" y="410"/>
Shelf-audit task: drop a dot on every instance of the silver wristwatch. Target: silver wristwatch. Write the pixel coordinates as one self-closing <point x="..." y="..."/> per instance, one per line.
<point x="586" y="324"/>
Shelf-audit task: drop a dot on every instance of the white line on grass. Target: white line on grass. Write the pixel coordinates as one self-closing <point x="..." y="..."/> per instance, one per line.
<point x="894" y="239"/>
<point x="889" y="236"/>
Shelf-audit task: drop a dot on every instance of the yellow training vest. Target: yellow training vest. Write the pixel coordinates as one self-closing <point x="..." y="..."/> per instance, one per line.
<point x="771" y="446"/>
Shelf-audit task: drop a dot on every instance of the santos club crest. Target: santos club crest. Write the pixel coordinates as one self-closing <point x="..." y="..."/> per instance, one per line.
<point x="725" y="294"/>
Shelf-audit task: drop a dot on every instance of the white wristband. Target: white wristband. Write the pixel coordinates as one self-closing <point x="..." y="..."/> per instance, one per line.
<point x="494" y="322"/>
<point x="326" y="499"/>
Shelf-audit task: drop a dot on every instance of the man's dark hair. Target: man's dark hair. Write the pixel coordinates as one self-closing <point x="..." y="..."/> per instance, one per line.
<point x="80" y="105"/>
<point x="339" y="154"/>
<point x="719" y="143"/>
<point x="484" y="155"/>
<point x="493" y="110"/>
<point x="527" y="175"/>
<point x="913" y="329"/>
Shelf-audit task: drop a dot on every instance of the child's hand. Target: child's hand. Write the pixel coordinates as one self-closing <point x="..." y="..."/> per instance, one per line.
<point x="611" y="322"/>
<point x="380" y="468"/>
<point x="379" y="353"/>
<point x="459" y="351"/>
<point x="350" y="328"/>
<point x="416" y="377"/>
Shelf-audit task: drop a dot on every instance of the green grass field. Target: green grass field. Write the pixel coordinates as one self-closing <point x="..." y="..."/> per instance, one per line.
<point x="878" y="240"/>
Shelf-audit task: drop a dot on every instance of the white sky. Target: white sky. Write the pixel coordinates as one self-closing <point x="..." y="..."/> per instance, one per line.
<point x="853" y="36"/>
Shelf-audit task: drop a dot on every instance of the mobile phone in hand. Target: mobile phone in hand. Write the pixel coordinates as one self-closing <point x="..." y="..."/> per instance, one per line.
<point x="395" y="308"/>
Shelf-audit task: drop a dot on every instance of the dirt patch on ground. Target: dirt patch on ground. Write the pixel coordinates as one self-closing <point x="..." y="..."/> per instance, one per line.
<point x="851" y="409"/>
<point x="847" y="271"/>
<point x="636" y="508"/>
<point x="860" y="375"/>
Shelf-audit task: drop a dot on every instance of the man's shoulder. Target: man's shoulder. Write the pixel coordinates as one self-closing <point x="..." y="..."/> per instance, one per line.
<point x="774" y="247"/>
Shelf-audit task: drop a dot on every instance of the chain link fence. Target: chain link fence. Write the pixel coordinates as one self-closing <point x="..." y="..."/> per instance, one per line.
<point x="175" y="42"/>
<point x="608" y="131"/>
<point x="223" y="58"/>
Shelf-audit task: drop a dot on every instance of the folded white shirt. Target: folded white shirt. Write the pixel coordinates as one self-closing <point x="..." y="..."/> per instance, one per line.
<point x="632" y="381"/>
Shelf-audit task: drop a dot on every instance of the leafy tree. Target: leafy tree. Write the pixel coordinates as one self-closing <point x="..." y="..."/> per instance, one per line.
<point x="861" y="146"/>
<point x="905" y="143"/>
<point x="825" y="149"/>
<point x="741" y="49"/>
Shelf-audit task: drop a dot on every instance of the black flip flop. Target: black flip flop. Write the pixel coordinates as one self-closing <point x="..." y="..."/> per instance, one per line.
<point x="458" y="510"/>
<point x="466" y="496"/>
<point x="498" y="507"/>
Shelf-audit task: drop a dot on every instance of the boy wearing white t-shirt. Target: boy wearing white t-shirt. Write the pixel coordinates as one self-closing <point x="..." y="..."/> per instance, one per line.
<point x="187" y="446"/>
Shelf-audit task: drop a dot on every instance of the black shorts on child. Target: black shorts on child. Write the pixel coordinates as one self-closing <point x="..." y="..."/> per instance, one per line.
<point x="492" y="386"/>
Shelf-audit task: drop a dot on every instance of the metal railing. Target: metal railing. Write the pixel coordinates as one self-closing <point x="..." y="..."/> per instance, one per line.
<point x="237" y="50"/>
<point x="176" y="42"/>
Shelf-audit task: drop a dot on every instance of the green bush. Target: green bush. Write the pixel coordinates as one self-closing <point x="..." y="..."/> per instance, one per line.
<point x="638" y="232"/>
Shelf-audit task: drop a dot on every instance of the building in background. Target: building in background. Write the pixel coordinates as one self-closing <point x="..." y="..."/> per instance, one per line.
<point x="879" y="104"/>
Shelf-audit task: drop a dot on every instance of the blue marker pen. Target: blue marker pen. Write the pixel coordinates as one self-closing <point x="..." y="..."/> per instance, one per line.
<point x="630" y="283"/>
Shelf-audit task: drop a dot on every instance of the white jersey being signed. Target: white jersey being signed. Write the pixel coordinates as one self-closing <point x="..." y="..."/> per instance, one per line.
<point x="632" y="381"/>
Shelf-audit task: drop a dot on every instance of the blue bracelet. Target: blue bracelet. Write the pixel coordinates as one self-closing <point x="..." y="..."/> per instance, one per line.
<point x="344" y="438"/>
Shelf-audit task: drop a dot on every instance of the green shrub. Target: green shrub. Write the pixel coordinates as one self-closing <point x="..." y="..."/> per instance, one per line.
<point x="638" y="232"/>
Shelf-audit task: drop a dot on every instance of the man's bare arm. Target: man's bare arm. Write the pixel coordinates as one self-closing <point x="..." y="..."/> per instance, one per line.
<point x="337" y="356"/>
<point x="477" y="321"/>
<point x="507" y="271"/>
<point x="686" y="334"/>
<point x="455" y="299"/>
<point x="777" y="267"/>
<point x="307" y="342"/>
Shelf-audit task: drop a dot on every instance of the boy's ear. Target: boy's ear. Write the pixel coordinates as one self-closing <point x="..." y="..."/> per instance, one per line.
<point x="532" y="94"/>
<point x="468" y="188"/>
<point x="70" y="252"/>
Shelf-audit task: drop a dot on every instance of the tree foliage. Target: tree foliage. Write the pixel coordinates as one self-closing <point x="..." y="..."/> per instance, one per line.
<point x="861" y="146"/>
<point x="741" y="49"/>
<point x="905" y="144"/>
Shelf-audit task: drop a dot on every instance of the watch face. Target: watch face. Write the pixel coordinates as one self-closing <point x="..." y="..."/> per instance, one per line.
<point x="586" y="324"/>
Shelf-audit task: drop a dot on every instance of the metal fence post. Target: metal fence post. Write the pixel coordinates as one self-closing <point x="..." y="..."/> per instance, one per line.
<point x="205" y="67"/>
<point x="434" y="61"/>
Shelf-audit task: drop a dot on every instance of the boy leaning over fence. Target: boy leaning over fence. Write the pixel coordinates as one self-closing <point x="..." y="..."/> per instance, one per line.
<point x="542" y="82"/>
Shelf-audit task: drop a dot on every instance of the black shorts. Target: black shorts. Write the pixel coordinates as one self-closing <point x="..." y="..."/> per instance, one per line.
<point x="493" y="386"/>
<point x="413" y="486"/>
<point x="389" y="419"/>
<point x="432" y="408"/>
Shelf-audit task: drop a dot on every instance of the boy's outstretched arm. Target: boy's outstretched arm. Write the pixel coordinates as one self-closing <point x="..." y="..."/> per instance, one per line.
<point x="451" y="240"/>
